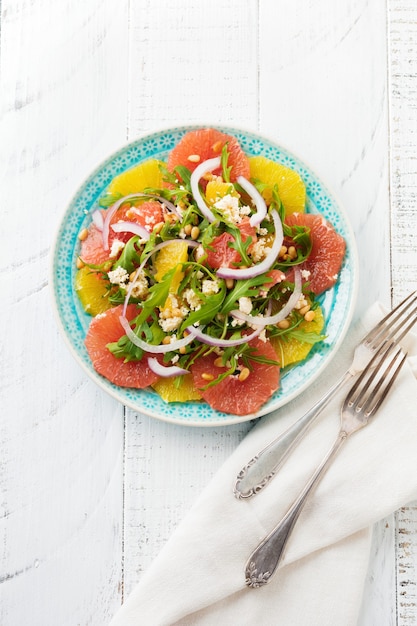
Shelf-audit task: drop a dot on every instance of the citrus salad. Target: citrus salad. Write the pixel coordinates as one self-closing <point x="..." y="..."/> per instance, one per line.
<point x="202" y="273"/>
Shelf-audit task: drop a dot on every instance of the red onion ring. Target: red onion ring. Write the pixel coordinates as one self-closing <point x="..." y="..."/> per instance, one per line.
<point x="200" y="170"/>
<point x="263" y="266"/>
<point x="112" y="210"/>
<point x="163" y="370"/>
<point x="149" y="347"/>
<point x="98" y="219"/>
<point x="261" y="208"/>
<point x="224" y="343"/>
<point x="281" y="315"/>
<point x="131" y="227"/>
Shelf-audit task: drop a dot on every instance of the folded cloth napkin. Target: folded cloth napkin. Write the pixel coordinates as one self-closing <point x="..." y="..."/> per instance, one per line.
<point x="198" y="578"/>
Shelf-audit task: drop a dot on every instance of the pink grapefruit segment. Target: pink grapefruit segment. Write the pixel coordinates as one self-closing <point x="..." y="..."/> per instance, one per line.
<point x="231" y="395"/>
<point x="106" y="329"/>
<point x="327" y="253"/>
<point x="199" y="145"/>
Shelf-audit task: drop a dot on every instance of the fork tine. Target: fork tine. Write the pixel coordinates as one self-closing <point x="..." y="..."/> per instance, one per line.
<point x="394" y="322"/>
<point x="370" y="390"/>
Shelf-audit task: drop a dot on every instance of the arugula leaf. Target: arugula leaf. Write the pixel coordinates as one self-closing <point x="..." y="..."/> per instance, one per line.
<point x="207" y="311"/>
<point x="158" y="294"/>
<point x="240" y="245"/>
<point x="109" y="199"/>
<point x="243" y="288"/>
<point x="224" y="163"/>
<point x="130" y="256"/>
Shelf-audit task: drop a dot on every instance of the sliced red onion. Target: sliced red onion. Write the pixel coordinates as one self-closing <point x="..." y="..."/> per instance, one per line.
<point x="163" y="370"/>
<point x="223" y="343"/>
<point x="261" y="208"/>
<point x="281" y="315"/>
<point x="263" y="266"/>
<point x="149" y="347"/>
<point x="131" y="227"/>
<point x="112" y="210"/>
<point x="190" y="242"/>
<point x="200" y="170"/>
<point x="98" y="219"/>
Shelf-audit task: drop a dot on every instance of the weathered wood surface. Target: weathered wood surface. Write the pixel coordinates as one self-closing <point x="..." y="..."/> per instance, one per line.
<point x="90" y="491"/>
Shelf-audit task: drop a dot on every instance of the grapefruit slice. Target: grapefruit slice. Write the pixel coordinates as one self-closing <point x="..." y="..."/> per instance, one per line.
<point x="199" y="145"/>
<point x="92" y="251"/>
<point x="106" y="329"/>
<point x="293" y="350"/>
<point x="291" y="188"/>
<point x="231" y="395"/>
<point x="91" y="288"/>
<point x="147" y="214"/>
<point x="327" y="252"/>
<point x="221" y="254"/>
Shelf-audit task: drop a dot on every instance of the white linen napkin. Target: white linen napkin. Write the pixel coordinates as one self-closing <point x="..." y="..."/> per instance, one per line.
<point x="198" y="578"/>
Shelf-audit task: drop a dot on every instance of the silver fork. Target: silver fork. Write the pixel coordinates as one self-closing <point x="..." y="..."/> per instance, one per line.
<point x="362" y="402"/>
<point x="257" y="473"/>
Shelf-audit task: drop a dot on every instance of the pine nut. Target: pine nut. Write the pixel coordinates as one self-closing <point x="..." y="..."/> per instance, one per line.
<point x="194" y="158"/>
<point x="283" y="324"/>
<point x="217" y="147"/>
<point x="292" y="252"/>
<point x="182" y="350"/>
<point x="283" y="250"/>
<point x="195" y="231"/>
<point x="166" y="340"/>
<point x="83" y="234"/>
<point x="79" y="263"/>
<point x="218" y="362"/>
<point x="207" y="376"/>
<point x="158" y="227"/>
<point x="230" y="283"/>
<point x="305" y="309"/>
<point x="187" y="229"/>
<point x="244" y="374"/>
<point x="309" y="316"/>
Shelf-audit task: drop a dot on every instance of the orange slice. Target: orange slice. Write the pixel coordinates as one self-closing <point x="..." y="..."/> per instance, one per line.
<point x="137" y="178"/>
<point x="290" y="185"/>
<point x="92" y="289"/>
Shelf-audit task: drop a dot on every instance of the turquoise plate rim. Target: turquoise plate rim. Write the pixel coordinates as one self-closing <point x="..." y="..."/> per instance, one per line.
<point x="338" y="303"/>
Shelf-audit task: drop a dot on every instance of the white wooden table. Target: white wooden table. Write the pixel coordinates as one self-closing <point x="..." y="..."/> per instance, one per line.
<point x="91" y="491"/>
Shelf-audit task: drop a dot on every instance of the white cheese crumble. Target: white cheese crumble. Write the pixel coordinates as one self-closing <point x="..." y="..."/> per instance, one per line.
<point x="118" y="276"/>
<point x="230" y="209"/>
<point x="140" y="288"/>
<point x="305" y="274"/>
<point x="245" y="305"/>
<point x="116" y="247"/>
<point x="259" y="250"/>
<point x="209" y="287"/>
<point x="192" y="299"/>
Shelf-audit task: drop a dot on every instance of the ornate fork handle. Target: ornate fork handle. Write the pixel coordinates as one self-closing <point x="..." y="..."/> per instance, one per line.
<point x="264" y="559"/>
<point x="263" y="467"/>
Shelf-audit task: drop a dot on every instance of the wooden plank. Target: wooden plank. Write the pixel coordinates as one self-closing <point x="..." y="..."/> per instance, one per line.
<point x="197" y="65"/>
<point x="403" y="148"/>
<point x="61" y="438"/>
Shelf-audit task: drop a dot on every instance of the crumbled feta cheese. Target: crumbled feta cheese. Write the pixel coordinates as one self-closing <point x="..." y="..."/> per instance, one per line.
<point x="209" y="287"/>
<point x="175" y="359"/>
<point x="118" y="276"/>
<point x="230" y="209"/>
<point x="170" y="324"/>
<point x="245" y="305"/>
<point x="259" y="250"/>
<point x="116" y="247"/>
<point x="262" y="335"/>
<point x="305" y="274"/>
<point x="140" y="288"/>
<point x="192" y="299"/>
<point x="262" y="231"/>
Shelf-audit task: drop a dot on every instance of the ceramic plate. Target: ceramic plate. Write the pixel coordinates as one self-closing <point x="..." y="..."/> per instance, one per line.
<point x="338" y="303"/>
